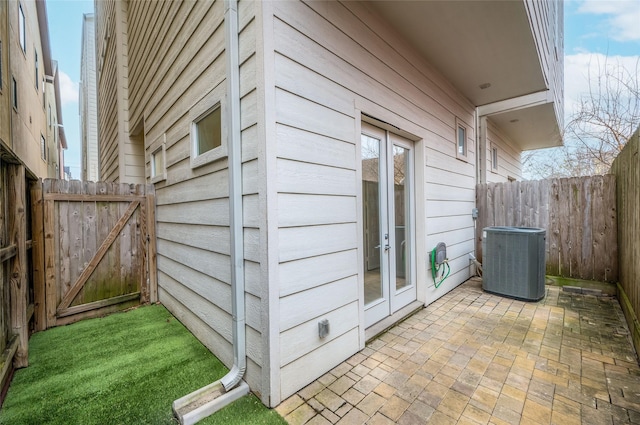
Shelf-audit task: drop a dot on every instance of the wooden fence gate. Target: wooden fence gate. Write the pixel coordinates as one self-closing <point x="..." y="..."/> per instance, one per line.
<point x="579" y="215"/>
<point x="94" y="249"/>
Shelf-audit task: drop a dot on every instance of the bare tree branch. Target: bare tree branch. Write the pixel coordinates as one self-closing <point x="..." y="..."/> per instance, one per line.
<point x="596" y="132"/>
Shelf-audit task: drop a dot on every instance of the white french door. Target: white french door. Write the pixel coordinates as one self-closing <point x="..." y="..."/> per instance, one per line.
<point x="388" y="222"/>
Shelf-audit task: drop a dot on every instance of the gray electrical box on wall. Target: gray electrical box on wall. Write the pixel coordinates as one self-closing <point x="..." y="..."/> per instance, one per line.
<point x="323" y="328"/>
<point x="513" y="262"/>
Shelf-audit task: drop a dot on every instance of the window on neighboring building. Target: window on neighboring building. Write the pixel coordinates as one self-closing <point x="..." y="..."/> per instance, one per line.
<point x="14" y="92"/>
<point x="0" y="65"/>
<point x="494" y="158"/>
<point x="43" y="148"/>
<point x="36" y="68"/>
<point x="462" y="149"/>
<point x="23" y="31"/>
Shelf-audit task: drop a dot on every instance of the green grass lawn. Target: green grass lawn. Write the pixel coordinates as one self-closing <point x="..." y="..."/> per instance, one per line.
<point x="126" y="368"/>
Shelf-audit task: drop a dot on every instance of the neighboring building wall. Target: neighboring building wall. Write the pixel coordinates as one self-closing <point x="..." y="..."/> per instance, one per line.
<point x="5" y="77"/>
<point x="121" y="156"/>
<point x="509" y="166"/>
<point x="29" y="122"/>
<point x="51" y="134"/>
<point x="167" y="92"/>
<point x="88" y="101"/>
<point x="333" y="60"/>
<point x="546" y="19"/>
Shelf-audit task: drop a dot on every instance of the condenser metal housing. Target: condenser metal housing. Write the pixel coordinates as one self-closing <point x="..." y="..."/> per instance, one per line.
<point x="514" y="262"/>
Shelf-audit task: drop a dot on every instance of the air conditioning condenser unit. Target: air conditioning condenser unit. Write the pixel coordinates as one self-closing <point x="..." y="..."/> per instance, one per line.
<point x="513" y="262"/>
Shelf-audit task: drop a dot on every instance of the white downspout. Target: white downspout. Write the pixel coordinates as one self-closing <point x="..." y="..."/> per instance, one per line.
<point x="236" y="373"/>
<point x="207" y="400"/>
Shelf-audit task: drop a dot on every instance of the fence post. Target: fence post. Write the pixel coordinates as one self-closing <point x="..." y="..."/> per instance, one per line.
<point x="49" y="257"/>
<point x="151" y="245"/>
<point x="37" y="226"/>
<point x="16" y="219"/>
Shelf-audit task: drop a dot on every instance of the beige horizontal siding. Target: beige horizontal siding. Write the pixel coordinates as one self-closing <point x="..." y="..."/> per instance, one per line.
<point x="509" y="164"/>
<point x="329" y="58"/>
<point x="176" y="60"/>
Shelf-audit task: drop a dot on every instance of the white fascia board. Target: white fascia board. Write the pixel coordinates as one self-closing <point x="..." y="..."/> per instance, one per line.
<point x="515" y="103"/>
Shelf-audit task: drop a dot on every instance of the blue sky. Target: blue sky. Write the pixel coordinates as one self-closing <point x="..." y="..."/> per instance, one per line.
<point x="594" y="31"/>
<point x="65" y="32"/>
<point x="597" y="32"/>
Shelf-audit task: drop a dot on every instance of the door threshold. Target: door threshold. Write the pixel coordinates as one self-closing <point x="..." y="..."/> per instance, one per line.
<point x="388" y="322"/>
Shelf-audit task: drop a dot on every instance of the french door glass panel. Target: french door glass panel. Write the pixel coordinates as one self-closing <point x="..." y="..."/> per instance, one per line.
<point x="371" y="207"/>
<point x="388" y="238"/>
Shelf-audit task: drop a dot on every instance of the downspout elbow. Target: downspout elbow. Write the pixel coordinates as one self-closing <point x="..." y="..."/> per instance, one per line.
<point x="233" y="378"/>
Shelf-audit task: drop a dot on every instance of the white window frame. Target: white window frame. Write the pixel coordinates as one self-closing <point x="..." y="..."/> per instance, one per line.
<point x="216" y="98"/>
<point x="160" y="150"/>
<point x="494" y="157"/>
<point x="464" y="156"/>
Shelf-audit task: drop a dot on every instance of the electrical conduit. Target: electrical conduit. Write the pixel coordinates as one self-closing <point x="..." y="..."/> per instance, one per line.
<point x="207" y="400"/>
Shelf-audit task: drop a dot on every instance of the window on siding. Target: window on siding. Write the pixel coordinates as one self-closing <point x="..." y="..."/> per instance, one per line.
<point x="36" y="68"/>
<point x="208" y="131"/>
<point x="158" y="167"/>
<point x="43" y="148"/>
<point x="494" y="158"/>
<point x="22" y="29"/>
<point x="462" y="140"/>
<point x="14" y="92"/>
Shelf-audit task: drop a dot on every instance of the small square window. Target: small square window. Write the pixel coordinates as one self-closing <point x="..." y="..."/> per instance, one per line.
<point x="158" y="163"/>
<point x="208" y="129"/>
<point x="462" y="141"/>
<point x="494" y="158"/>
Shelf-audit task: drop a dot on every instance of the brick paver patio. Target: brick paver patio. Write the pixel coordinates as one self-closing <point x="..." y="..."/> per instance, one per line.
<point x="472" y="357"/>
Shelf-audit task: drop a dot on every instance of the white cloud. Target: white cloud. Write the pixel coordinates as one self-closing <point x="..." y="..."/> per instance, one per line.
<point x="68" y="89"/>
<point x="580" y="68"/>
<point x="623" y="17"/>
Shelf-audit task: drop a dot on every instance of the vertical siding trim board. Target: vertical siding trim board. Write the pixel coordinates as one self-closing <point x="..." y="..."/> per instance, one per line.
<point x="268" y="202"/>
<point x="360" y="228"/>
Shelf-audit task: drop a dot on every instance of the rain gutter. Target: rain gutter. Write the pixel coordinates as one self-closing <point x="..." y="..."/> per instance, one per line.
<point x="213" y="397"/>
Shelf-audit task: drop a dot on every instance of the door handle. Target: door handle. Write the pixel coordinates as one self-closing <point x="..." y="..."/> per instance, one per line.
<point x="386" y="247"/>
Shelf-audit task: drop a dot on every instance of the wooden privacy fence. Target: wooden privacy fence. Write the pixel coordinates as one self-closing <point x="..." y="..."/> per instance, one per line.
<point x="626" y="168"/>
<point x="94" y="249"/>
<point x="16" y="291"/>
<point x="579" y="215"/>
